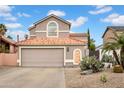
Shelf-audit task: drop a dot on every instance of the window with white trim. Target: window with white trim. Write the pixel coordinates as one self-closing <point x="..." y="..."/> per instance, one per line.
<point x="52" y="29"/>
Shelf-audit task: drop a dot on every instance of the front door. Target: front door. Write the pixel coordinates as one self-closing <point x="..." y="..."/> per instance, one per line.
<point x="77" y="56"/>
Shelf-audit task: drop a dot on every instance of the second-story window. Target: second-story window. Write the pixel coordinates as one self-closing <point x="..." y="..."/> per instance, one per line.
<point x="52" y="29"/>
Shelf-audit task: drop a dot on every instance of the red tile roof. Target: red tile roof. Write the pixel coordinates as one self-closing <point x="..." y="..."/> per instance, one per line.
<point x="10" y="41"/>
<point x="52" y="41"/>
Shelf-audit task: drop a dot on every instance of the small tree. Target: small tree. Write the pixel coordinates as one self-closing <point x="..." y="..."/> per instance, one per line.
<point x="91" y="42"/>
<point x="92" y="45"/>
<point x="88" y="33"/>
<point x="3" y="29"/>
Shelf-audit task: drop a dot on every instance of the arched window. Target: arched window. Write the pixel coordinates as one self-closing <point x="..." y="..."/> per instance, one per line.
<point x="52" y="28"/>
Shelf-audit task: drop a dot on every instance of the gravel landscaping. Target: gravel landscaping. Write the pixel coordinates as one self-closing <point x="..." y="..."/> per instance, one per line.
<point x="75" y="80"/>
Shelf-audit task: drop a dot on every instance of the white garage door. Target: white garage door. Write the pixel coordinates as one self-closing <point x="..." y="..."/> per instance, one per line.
<point x="42" y="57"/>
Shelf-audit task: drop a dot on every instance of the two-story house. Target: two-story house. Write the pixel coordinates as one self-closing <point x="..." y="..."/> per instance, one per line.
<point x="52" y="45"/>
<point x="109" y="33"/>
<point x="107" y="37"/>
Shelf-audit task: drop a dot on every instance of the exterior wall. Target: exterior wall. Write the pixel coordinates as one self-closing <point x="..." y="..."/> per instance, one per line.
<point x="63" y="34"/>
<point x="1" y="59"/>
<point x="32" y="31"/>
<point x="43" y="25"/>
<point x="41" y="34"/>
<point x="41" y="28"/>
<point x="33" y="36"/>
<point x="109" y="34"/>
<point x="8" y="59"/>
<point x="69" y="55"/>
<point x="12" y="49"/>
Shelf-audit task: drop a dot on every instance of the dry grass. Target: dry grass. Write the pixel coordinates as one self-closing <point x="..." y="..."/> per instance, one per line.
<point x="75" y="80"/>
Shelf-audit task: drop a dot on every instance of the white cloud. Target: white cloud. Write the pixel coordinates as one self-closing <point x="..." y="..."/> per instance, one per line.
<point x="56" y="12"/>
<point x="5" y="13"/>
<point x="79" y="21"/>
<point x="11" y="18"/>
<point x="5" y="10"/>
<point x="101" y="10"/>
<point x="23" y="15"/>
<point x="99" y="6"/>
<point x="115" y="19"/>
<point x="13" y="25"/>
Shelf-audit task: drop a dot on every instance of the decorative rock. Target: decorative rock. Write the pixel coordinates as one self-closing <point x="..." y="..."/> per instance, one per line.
<point x="86" y="72"/>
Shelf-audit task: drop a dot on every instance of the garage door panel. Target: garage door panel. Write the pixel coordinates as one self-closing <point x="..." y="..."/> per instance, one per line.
<point x="42" y="57"/>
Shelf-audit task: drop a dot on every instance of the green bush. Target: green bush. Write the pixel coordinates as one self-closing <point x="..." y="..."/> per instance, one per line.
<point x="91" y="63"/>
<point x="103" y="78"/>
<point x="118" y="69"/>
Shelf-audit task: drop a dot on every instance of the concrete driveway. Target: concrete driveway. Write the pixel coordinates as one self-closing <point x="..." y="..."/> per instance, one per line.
<point x="21" y="77"/>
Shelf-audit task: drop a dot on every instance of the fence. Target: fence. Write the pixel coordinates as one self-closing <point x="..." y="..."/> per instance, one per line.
<point x="7" y="59"/>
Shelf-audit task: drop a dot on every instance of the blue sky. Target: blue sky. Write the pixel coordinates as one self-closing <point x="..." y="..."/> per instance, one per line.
<point x="19" y="18"/>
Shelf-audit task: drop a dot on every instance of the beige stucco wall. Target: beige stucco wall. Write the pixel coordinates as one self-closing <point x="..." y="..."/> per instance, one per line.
<point x="41" y="34"/>
<point x="109" y="34"/>
<point x="69" y="55"/>
<point x="8" y="59"/>
<point x="42" y="27"/>
<point x="63" y="34"/>
<point x="1" y="59"/>
<point x="32" y="31"/>
<point x="12" y="49"/>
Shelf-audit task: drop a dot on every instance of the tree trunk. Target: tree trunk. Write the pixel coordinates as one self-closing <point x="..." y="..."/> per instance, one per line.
<point x="122" y="56"/>
<point x="116" y="57"/>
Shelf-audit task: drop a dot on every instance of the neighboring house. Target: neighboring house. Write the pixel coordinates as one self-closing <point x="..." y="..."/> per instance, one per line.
<point x="7" y="45"/>
<point x="108" y="34"/>
<point x="52" y="44"/>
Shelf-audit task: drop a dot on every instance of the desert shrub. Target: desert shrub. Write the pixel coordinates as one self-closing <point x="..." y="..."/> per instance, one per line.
<point x="91" y="63"/>
<point x="118" y="69"/>
<point x="103" y="78"/>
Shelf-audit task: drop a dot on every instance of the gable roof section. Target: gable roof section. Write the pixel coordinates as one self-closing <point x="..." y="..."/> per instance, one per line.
<point x="114" y="28"/>
<point x="5" y="39"/>
<point x="52" y="41"/>
<point x="52" y="15"/>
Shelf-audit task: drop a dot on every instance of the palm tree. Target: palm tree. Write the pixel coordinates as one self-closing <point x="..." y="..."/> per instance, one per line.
<point x="119" y="39"/>
<point x="2" y="29"/>
<point x="118" y="43"/>
<point x="111" y="47"/>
